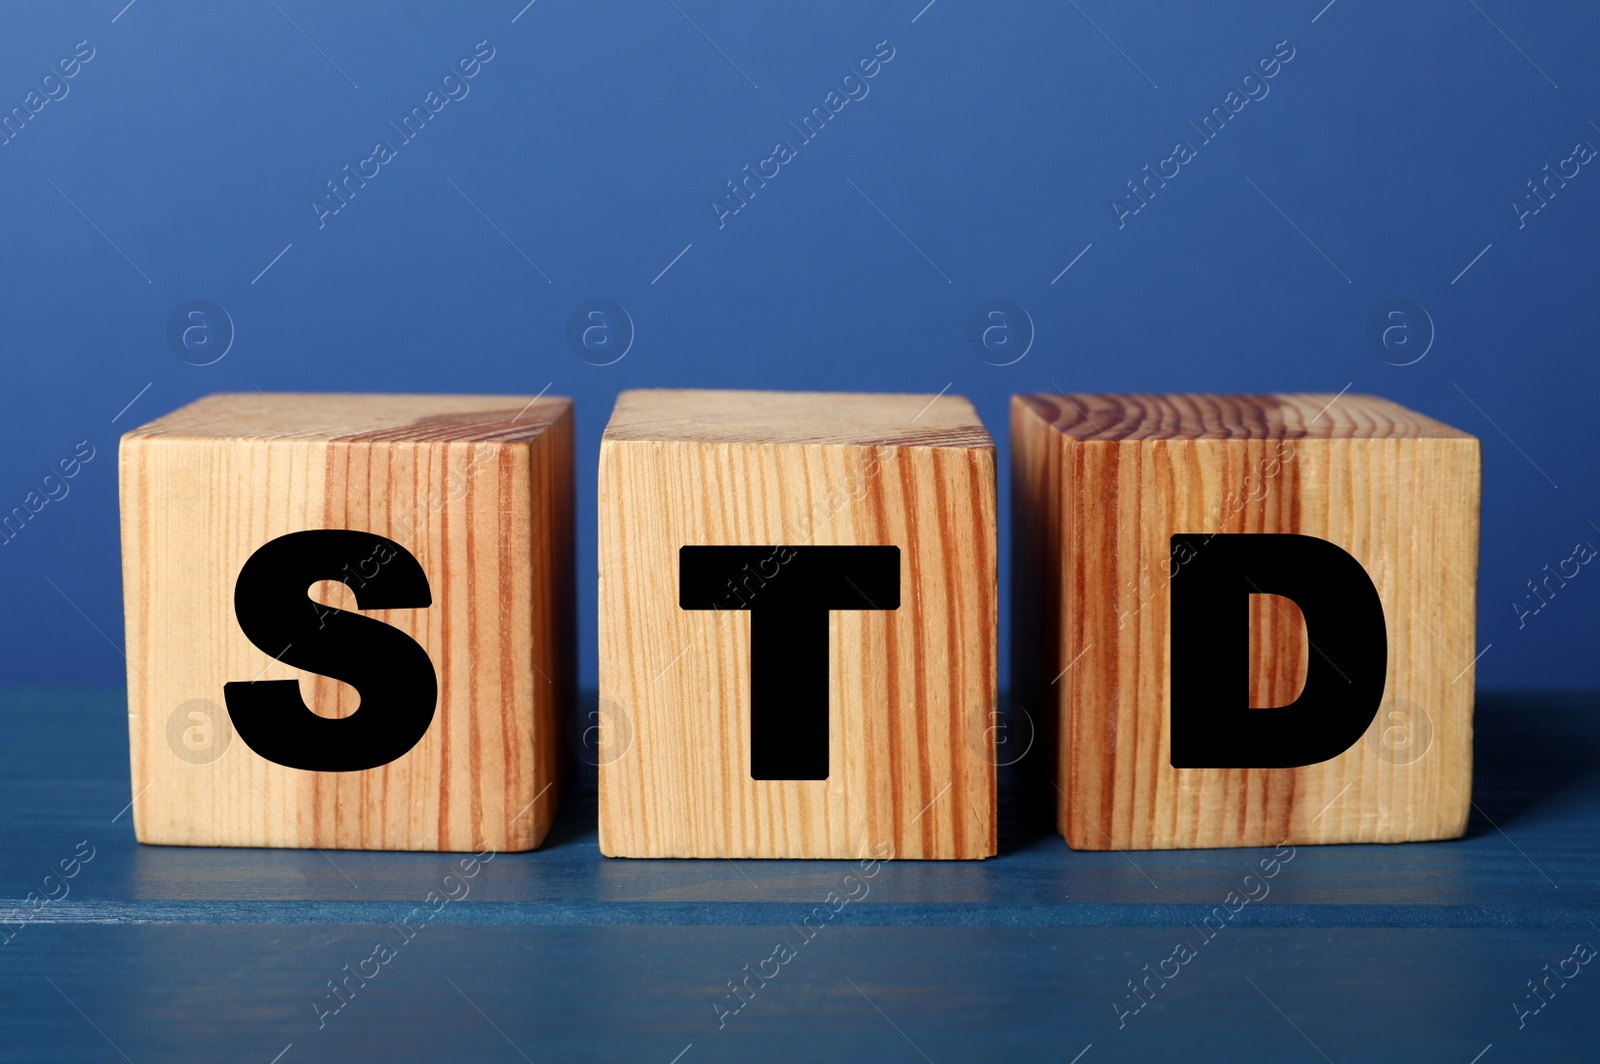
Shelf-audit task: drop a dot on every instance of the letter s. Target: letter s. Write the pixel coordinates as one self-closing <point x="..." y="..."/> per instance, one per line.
<point x="393" y="674"/>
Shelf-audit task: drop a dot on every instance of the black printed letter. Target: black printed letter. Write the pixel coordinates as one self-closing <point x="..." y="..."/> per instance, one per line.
<point x="397" y="682"/>
<point x="1213" y="725"/>
<point x="789" y="635"/>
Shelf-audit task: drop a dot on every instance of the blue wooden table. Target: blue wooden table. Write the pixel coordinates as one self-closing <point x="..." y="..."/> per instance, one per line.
<point x="1354" y="953"/>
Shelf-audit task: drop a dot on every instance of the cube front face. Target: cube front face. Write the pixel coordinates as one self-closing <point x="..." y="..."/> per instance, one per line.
<point x="1102" y="483"/>
<point x="478" y="493"/>
<point x="910" y="691"/>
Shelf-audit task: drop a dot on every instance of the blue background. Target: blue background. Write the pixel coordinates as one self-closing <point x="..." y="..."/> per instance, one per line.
<point x="1382" y="164"/>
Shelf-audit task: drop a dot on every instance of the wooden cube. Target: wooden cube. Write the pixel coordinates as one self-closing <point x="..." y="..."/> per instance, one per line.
<point x="478" y="491"/>
<point x="828" y="689"/>
<point x="1101" y="485"/>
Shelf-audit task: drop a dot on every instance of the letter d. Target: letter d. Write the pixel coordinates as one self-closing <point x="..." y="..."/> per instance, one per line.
<point x="1212" y="724"/>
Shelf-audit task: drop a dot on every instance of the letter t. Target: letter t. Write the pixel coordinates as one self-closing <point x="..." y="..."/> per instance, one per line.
<point x="789" y="636"/>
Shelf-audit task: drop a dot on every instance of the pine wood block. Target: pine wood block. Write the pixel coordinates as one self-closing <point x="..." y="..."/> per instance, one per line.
<point x="477" y="488"/>
<point x="910" y="691"/>
<point x="1099" y="485"/>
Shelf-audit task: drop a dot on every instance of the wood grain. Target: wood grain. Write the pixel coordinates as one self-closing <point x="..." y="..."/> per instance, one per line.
<point x="911" y="691"/>
<point x="1099" y="484"/>
<point x="477" y="488"/>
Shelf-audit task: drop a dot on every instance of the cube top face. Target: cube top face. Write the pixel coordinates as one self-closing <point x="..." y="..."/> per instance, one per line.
<point x="476" y="489"/>
<point x="844" y="419"/>
<point x="1101" y="484"/>
<point x="1136" y="418"/>
<point x="910" y="689"/>
<point x="350" y="418"/>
